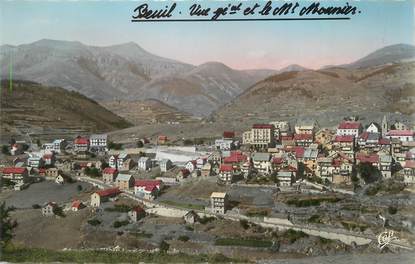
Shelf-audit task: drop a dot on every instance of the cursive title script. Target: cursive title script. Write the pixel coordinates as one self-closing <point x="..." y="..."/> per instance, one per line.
<point x="243" y="11"/>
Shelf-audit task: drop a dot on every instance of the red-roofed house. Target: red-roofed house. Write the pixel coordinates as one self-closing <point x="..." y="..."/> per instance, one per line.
<point x="101" y="196"/>
<point x="349" y="128"/>
<point x="303" y="140"/>
<point x="81" y="144"/>
<point x="367" y="158"/>
<point x="191" y="165"/>
<point x="228" y="134"/>
<point x="109" y="175"/>
<point x="49" y="159"/>
<point x="162" y="139"/>
<point x="182" y="174"/>
<point x="18" y="175"/>
<point x="226" y="173"/>
<point x="77" y="205"/>
<point x="136" y="213"/>
<point x="147" y="189"/>
<point x="298" y="151"/>
<point x="235" y="157"/>
<point x="402" y="135"/>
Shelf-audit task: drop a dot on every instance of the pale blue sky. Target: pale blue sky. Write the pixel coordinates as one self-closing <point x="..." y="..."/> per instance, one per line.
<point x="242" y="45"/>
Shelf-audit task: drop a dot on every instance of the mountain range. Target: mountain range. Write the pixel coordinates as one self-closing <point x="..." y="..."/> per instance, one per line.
<point x="127" y="72"/>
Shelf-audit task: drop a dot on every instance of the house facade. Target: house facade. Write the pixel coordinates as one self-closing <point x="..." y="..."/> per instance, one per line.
<point x="124" y="181"/>
<point x="219" y="202"/>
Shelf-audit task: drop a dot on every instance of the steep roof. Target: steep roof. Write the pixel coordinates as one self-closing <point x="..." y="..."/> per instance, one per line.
<point x="144" y="183"/>
<point x="398" y="133"/>
<point x="14" y="170"/>
<point x="81" y="141"/>
<point x="226" y="167"/>
<point x="349" y="125"/>
<point x="108" y="192"/>
<point x="109" y="170"/>
<point x="123" y="177"/>
<point x="218" y="195"/>
<point x="303" y="137"/>
<point x="263" y="126"/>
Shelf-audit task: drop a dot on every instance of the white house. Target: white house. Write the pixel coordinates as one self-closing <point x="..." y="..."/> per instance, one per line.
<point x="147" y="189"/>
<point x="35" y="160"/>
<point x="112" y="162"/>
<point x="98" y="142"/>
<point x="373" y="128"/>
<point x="224" y="144"/>
<point x="285" y="177"/>
<point x="262" y="162"/>
<point x="165" y="165"/>
<point x="402" y="135"/>
<point x="191" y="165"/>
<point x="122" y="159"/>
<point x="349" y="128"/>
<point x="144" y="163"/>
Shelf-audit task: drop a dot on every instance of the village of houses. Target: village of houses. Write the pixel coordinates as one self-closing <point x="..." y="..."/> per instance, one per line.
<point x="276" y="175"/>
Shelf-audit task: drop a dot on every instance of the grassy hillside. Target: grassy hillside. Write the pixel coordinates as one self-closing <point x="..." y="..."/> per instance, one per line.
<point x="32" y="108"/>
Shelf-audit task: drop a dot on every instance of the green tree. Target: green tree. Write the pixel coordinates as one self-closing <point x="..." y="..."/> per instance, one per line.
<point x="5" y="150"/>
<point x="368" y="172"/>
<point x="116" y="146"/>
<point x="140" y="144"/>
<point x="92" y="172"/>
<point x="301" y="170"/>
<point x="6" y="225"/>
<point x="164" y="246"/>
<point x="188" y="142"/>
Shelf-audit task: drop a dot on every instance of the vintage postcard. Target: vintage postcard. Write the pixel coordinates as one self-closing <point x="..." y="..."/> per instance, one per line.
<point x="207" y="131"/>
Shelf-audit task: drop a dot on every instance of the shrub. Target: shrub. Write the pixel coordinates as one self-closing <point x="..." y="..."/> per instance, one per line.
<point x="116" y="146"/>
<point x="219" y="258"/>
<point x="94" y="222"/>
<point x="314" y="219"/>
<point x="206" y="219"/>
<point x="118" y="224"/>
<point x="92" y="172"/>
<point x="368" y="172"/>
<point x="36" y="206"/>
<point x="140" y="144"/>
<point x="58" y="211"/>
<point x="7" y="182"/>
<point x="79" y="188"/>
<point x="164" y="246"/>
<point x="189" y="228"/>
<point x="5" y="150"/>
<point x="392" y="210"/>
<point x="183" y="238"/>
<point x="244" y="223"/>
<point x="188" y="142"/>
<point x="293" y="235"/>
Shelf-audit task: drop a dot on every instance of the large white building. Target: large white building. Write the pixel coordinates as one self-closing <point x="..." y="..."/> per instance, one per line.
<point x="349" y="128"/>
<point x="98" y="142"/>
<point x="261" y="136"/>
<point x="402" y="135"/>
<point x="219" y="202"/>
